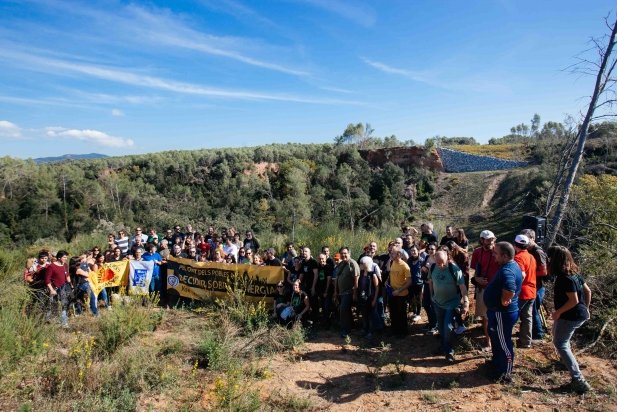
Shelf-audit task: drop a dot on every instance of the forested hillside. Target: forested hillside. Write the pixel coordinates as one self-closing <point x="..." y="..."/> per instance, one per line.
<point x="273" y="187"/>
<point x="264" y="187"/>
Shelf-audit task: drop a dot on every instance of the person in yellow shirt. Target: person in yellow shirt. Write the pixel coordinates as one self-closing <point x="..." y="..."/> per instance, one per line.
<point x="400" y="280"/>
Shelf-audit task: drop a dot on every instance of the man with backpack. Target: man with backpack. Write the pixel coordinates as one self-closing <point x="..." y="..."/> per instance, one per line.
<point x="447" y="285"/>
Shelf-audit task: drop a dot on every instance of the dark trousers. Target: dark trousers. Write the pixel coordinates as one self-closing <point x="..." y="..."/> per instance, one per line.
<point x="415" y="298"/>
<point x="537" y="329"/>
<point x="345" y="313"/>
<point x="398" y="315"/>
<point x="500" y="325"/>
<point x="427" y="304"/>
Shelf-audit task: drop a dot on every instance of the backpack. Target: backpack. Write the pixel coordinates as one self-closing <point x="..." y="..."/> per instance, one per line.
<point x="452" y="274"/>
<point x="366" y="292"/>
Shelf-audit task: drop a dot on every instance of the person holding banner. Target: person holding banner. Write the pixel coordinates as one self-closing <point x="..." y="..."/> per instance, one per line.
<point x="98" y="264"/>
<point x="154" y="256"/>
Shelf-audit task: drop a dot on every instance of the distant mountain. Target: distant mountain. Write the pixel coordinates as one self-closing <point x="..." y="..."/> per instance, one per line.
<point x="69" y="157"/>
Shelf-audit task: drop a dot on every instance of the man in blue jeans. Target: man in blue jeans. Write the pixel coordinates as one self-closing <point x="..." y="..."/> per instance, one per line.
<point x="501" y="300"/>
<point x="447" y="285"/>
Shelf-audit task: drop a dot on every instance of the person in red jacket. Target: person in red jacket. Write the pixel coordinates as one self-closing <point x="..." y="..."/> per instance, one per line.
<point x="484" y="265"/>
<point x="58" y="283"/>
<point x="527" y="263"/>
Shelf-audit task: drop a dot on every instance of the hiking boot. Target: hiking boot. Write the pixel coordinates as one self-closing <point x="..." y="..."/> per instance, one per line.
<point x="580" y="386"/>
<point x="450" y="358"/>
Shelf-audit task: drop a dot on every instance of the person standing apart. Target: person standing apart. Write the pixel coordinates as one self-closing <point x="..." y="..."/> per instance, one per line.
<point x="572" y="297"/>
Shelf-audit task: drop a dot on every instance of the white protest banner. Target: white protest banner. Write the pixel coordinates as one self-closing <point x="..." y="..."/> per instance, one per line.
<point x="140" y="275"/>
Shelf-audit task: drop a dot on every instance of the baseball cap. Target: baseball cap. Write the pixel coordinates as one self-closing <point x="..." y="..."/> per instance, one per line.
<point x="487" y="234"/>
<point x="521" y="240"/>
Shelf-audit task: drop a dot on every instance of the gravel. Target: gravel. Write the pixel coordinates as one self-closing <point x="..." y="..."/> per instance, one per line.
<point x="456" y="162"/>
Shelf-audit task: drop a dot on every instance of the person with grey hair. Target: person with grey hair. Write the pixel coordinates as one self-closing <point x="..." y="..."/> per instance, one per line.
<point x="271" y="259"/>
<point x="501" y="300"/>
<point x="399" y="282"/>
<point x="447" y="286"/>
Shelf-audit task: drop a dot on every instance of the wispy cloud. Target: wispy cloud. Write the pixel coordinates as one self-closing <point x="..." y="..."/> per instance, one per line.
<point x="63" y="67"/>
<point x="87" y="135"/>
<point x="117" y="113"/>
<point x="413" y="75"/>
<point x="136" y="26"/>
<point x="436" y="78"/>
<point x="9" y="130"/>
<point x="352" y="11"/>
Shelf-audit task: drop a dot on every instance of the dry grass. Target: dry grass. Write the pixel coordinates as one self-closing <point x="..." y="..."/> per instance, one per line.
<point x="514" y="151"/>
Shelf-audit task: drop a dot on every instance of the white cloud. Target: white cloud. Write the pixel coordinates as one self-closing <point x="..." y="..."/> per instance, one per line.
<point x="117" y="113"/>
<point x="417" y="76"/>
<point x="87" y="135"/>
<point x="10" y="130"/>
<point x="62" y="67"/>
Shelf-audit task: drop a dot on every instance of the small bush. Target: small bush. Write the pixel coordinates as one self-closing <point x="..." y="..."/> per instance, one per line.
<point x="123" y="322"/>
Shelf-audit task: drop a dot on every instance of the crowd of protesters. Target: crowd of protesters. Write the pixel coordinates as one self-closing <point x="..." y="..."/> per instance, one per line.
<point x="385" y="292"/>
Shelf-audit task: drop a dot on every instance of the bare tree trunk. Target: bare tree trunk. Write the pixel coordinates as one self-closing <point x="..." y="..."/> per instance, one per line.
<point x="602" y="80"/>
<point x="66" y="218"/>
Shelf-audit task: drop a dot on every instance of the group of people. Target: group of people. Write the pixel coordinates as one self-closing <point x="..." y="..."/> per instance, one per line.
<point x="417" y="272"/>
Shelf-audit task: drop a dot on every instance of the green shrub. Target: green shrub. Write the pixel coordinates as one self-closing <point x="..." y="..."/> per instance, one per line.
<point x="21" y="336"/>
<point x="117" y="326"/>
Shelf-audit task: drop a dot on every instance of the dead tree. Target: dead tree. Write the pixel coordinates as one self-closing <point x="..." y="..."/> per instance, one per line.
<point x="604" y="97"/>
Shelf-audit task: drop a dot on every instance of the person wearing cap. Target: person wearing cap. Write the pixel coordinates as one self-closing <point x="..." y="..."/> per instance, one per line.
<point x="485" y="266"/>
<point x="501" y="300"/>
<point x="527" y="263"/>
<point x="537" y="330"/>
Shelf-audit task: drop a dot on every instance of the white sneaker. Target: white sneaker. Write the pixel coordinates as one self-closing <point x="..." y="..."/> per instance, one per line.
<point x="460" y="329"/>
<point x="416" y="318"/>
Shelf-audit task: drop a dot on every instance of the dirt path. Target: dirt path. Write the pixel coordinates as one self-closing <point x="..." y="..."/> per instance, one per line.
<point x="491" y="189"/>
<point x="409" y="374"/>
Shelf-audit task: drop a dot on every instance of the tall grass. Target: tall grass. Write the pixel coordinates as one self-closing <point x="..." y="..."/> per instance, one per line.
<point x="331" y="235"/>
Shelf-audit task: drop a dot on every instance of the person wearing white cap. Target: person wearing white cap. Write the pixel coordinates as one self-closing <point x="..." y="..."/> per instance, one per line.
<point x="526" y="298"/>
<point x="485" y="266"/>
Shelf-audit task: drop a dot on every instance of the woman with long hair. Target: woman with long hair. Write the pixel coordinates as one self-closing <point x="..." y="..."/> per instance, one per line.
<point x="572" y="297"/>
<point x="461" y="239"/>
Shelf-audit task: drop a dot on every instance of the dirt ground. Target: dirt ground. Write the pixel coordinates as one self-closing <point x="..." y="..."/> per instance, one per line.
<point x="410" y="374"/>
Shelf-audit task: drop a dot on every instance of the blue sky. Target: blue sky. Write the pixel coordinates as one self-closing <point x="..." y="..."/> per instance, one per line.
<point x="119" y="77"/>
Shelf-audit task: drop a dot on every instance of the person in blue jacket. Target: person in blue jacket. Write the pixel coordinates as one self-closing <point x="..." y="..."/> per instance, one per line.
<point x="501" y="300"/>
